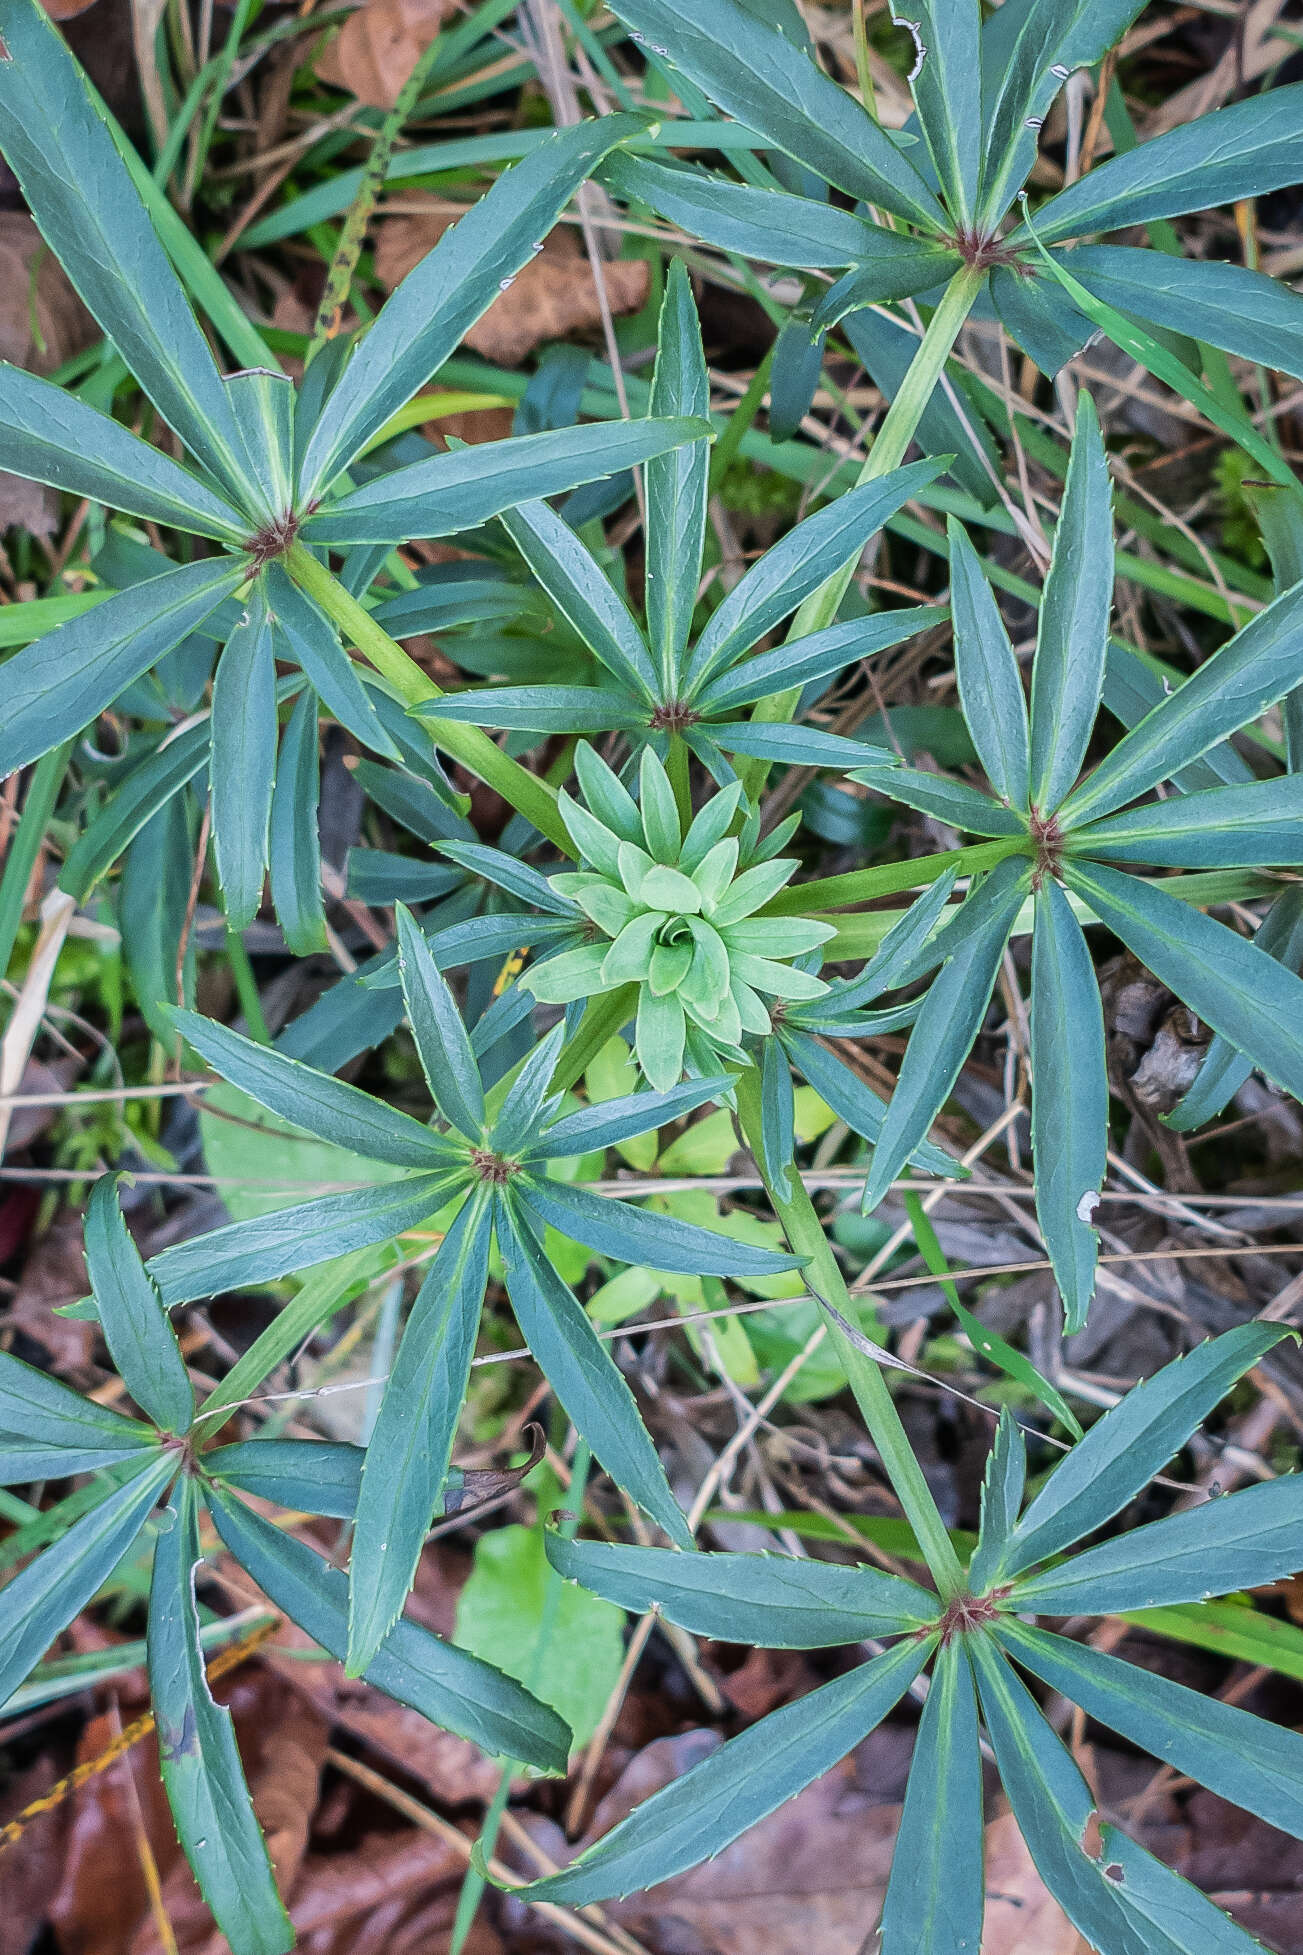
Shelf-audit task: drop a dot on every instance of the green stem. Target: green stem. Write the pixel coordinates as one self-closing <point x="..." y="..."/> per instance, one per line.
<point x="864" y="885"/>
<point x="25" y="844"/>
<point x="890" y="446"/>
<point x="677" y="769"/>
<point x="806" y="1235"/>
<point x="468" y="744"/>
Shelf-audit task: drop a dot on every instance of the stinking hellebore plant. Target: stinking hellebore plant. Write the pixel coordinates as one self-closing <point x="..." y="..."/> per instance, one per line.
<point x="1122" y="1899"/>
<point x="982" y="91"/>
<point x="486" y="1176"/>
<point x="1056" y="841"/>
<point x="267" y="478"/>
<point x="658" y="685"/>
<point x="49" y="1432"/>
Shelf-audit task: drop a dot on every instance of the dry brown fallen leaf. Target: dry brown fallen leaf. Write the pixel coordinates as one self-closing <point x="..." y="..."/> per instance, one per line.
<point x="553" y="295"/>
<point x="66" y="9"/>
<point x="42" y="324"/>
<point x="378" y="46"/>
<point x="1022" y="1918"/>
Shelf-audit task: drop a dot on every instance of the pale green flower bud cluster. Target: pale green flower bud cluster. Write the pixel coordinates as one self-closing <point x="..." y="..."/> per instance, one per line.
<point x="675" y="914"/>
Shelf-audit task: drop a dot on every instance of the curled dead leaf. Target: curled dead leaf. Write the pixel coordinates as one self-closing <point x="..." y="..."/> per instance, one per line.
<point x="554" y="295"/>
<point x="379" y="45"/>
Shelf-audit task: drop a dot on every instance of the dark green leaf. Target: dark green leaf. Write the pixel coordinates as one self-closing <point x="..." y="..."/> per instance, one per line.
<point x="1002" y="1492"/>
<point x="676" y="482"/>
<point x="990" y="685"/>
<point x="77" y="188"/>
<point x="445" y="1051"/>
<point x="1234" y="987"/>
<point x="48" y="1431"/>
<point x="771" y="225"/>
<point x="55" y="687"/>
<point x="136" y="1327"/>
<point x="294" y="844"/>
<point x="1069" y="1097"/>
<point x="948" y="1021"/>
<point x="583" y="595"/>
<point x="1237" y="1541"/>
<point x="1039" y="316"/>
<point x="1072" y="640"/>
<point x="197" y="1754"/>
<point x="608" y="1122"/>
<point x="1253" y="1763"/>
<point x="854" y="1102"/>
<point x="1225" y="1070"/>
<point x="800" y="562"/>
<point x="583" y="1374"/>
<point x="1169" y="1914"/>
<point x="548" y="709"/>
<point x="792" y="746"/>
<point x="1123" y="1450"/>
<point x="308" y="1476"/>
<point x="243" y="769"/>
<point x="343" y="1115"/>
<point x="460" y="490"/>
<point x="1233" y="827"/>
<point x="714" y="1802"/>
<point x="935" y="1895"/>
<point x="48" y="435"/>
<point x="307" y="635"/>
<point x="1242" y="151"/>
<point x="36" y="1604"/>
<point x="771" y="1600"/>
<point x="947" y="86"/>
<point x="954" y="802"/>
<point x="804" y="661"/>
<point x="129" y="807"/>
<point x="637" y="1235"/>
<point x="273" y="1245"/>
<point x="445" y="1684"/>
<point x="1246" y="313"/>
<point x="440" y="300"/>
<point x="411" y="1443"/>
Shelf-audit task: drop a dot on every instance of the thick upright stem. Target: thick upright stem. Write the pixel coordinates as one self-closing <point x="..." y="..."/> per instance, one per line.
<point x="470" y="745"/>
<point x="900" y="425"/>
<point x="805" y="1233"/>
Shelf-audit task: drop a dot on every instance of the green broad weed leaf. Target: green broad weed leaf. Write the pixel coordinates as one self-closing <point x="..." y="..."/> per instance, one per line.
<point x="568" y="1650"/>
<point x="136" y="1327"/>
<point x="197" y="1753"/>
